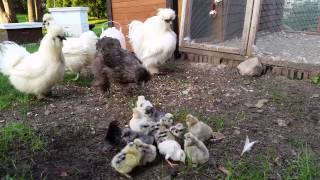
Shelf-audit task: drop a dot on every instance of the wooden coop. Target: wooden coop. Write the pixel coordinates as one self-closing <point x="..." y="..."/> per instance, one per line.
<point x="283" y="34"/>
<point x="124" y="11"/>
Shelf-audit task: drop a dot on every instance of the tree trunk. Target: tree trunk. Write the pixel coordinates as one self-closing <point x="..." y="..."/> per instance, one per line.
<point x="38" y="10"/>
<point x="31" y="11"/>
<point x="7" y="14"/>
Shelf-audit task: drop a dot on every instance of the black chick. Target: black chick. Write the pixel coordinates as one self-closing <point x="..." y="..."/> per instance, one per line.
<point x="114" y="134"/>
<point x="114" y="63"/>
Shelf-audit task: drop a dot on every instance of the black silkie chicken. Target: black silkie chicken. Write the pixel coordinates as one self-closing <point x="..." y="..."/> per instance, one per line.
<point x="116" y="64"/>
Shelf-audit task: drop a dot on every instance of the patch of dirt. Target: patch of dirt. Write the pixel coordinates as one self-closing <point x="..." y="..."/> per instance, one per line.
<point x="75" y="123"/>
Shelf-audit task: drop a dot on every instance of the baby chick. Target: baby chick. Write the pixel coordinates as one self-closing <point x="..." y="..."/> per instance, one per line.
<point x="195" y="149"/>
<point x="125" y="161"/>
<point x="142" y="103"/>
<point x="198" y="128"/>
<point x="149" y="151"/>
<point x="163" y="134"/>
<point x="177" y="131"/>
<point x="171" y="149"/>
<point x="167" y="119"/>
<point x="129" y="135"/>
<point x="139" y="122"/>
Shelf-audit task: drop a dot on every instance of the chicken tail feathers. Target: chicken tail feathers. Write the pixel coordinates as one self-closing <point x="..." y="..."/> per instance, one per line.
<point x="10" y="54"/>
<point x="114" y="133"/>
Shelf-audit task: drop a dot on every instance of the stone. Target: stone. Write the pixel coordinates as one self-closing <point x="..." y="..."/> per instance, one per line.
<point x="250" y="67"/>
<point x="261" y="103"/>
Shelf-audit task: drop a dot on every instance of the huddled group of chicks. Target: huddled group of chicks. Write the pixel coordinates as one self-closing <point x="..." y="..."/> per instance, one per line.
<point x="153" y="43"/>
<point x="149" y="130"/>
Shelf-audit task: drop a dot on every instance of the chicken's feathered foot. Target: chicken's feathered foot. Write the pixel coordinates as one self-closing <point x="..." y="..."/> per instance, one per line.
<point x="171" y="164"/>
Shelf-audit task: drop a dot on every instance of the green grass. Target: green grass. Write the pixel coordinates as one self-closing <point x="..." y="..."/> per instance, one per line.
<point x="18" y="139"/>
<point x="180" y="115"/>
<point x="9" y="95"/>
<point x="305" y="167"/>
<point x="191" y="168"/>
<point x="316" y="80"/>
<point x="33" y="47"/>
<point x="293" y="104"/>
<point x="17" y="135"/>
<point x="100" y="23"/>
<point x="247" y="168"/>
<point x="22" y="18"/>
<point x="82" y="81"/>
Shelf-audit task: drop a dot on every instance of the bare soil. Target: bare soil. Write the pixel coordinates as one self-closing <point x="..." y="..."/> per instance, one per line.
<point x="75" y="122"/>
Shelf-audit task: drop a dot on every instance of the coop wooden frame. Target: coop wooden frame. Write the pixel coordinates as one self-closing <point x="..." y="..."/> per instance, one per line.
<point x="249" y="31"/>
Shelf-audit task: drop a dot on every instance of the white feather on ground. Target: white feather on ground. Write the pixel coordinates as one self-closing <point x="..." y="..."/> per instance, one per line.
<point x="153" y="41"/>
<point x="34" y="73"/>
<point x="248" y="145"/>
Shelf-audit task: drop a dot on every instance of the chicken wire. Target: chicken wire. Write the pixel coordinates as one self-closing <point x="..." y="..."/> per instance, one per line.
<point x="287" y="30"/>
<point x="224" y="29"/>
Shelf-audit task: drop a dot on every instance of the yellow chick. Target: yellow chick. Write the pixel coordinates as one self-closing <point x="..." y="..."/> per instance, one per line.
<point x="125" y="161"/>
<point x="149" y="152"/>
<point x="195" y="149"/>
<point x="198" y="128"/>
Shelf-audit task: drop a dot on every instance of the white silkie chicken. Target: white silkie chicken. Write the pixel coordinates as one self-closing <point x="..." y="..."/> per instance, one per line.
<point x="35" y="73"/>
<point x="79" y="52"/>
<point x="115" y="33"/>
<point x="171" y="149"/>
<point x="153" y="41"/>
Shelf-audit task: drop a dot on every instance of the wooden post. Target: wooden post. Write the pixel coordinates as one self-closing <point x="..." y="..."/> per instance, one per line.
<point x="109" y="12"/>
<point x="218" y="33"/>
<point x="185" y="20"/>
<point x="173" y="4"/>
<point x="246" y="27"/>
<point x="318" y="24"/>
<point x="254" y="25"/>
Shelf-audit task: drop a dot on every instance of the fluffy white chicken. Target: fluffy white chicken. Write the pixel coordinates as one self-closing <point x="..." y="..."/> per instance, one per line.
<point x="153" y="41"/>
<point x="115" y="33"/>
<point x="35" y="73"/>
<point x="47" y="19"/>
<point x="171" y="149"/>
<point x="79" y="52"/>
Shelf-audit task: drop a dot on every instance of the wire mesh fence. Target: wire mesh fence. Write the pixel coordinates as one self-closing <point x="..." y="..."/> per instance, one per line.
<point x="217" y="24"/>
<point x="289" y="30"/>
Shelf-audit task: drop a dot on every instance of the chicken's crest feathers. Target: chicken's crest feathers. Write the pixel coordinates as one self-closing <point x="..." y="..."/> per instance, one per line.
<point x="166" y="13"/>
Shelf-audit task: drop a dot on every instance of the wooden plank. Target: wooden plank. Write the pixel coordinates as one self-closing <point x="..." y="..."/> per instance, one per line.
<point x="254" y="25"/>
<point x="211" y="47"/>
<point x="218" y="25"/>
<point x="185" y="20"/>
<point x="246" y="27"/>
<point x="137" y="3"/>
<point x="216" y="55"/>
<point x="318" y="24"/>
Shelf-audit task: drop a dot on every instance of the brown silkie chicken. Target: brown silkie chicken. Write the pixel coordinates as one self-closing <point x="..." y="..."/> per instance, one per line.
<point x="114" y="63"/>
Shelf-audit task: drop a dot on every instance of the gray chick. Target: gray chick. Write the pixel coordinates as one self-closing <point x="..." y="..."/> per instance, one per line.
<point x="129" y="135"/>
